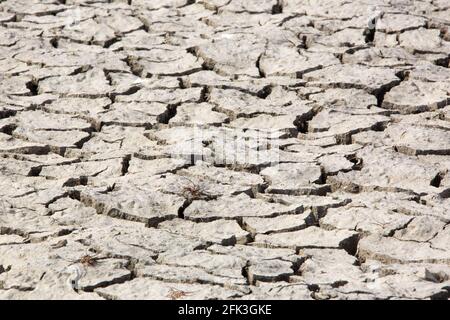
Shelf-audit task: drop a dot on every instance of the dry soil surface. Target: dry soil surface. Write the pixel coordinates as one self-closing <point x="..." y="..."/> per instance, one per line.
<point x="224" y="149"/>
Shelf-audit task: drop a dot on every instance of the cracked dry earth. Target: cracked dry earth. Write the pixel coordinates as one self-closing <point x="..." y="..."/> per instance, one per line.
<point x="224" y="149"/>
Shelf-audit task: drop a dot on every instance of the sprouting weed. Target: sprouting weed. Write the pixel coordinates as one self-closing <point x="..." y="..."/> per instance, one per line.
<point x="194" y="191"/>
<point x="175" y="294"/>
<point x="88" y="260"/>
